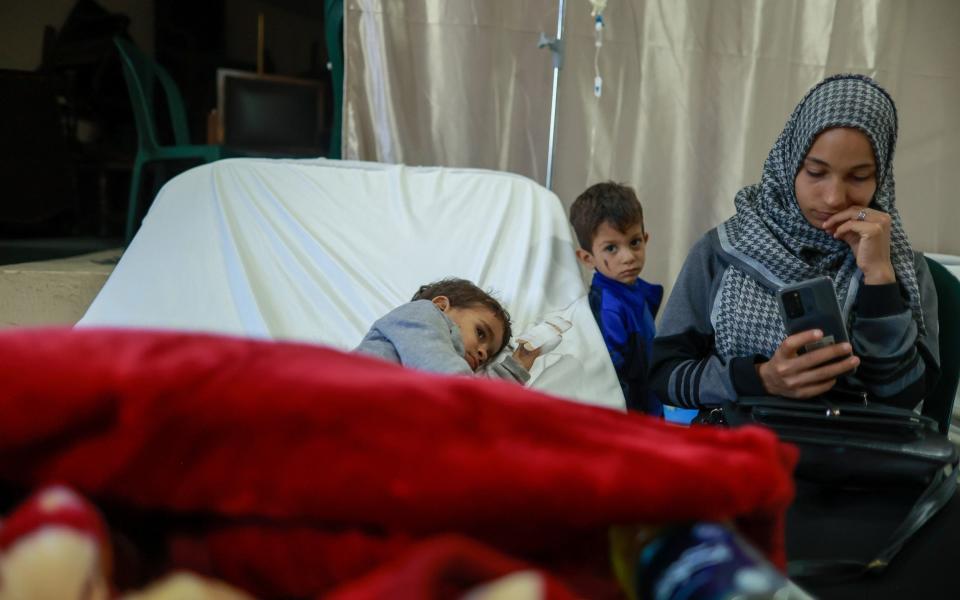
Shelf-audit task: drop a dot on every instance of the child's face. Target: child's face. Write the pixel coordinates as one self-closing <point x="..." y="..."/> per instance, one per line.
<point x="618" y="255"/>
<point x="481" y="330"/>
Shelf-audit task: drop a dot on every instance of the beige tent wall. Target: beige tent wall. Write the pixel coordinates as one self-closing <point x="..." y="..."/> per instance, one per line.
<point x="694" y="94"/>
<point x="457" y="83"/>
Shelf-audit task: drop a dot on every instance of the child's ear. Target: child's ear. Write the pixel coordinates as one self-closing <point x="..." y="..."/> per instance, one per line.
<point x="585" y="257"/>
<point x="646" y="237"/>
<point x="441" y="302"/>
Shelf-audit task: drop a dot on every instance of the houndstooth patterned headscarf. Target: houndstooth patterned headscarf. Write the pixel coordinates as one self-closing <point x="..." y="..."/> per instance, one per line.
<point x="770" y="230"/>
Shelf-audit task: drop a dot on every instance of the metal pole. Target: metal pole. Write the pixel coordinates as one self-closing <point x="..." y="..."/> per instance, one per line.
<point x="556" y="47"/>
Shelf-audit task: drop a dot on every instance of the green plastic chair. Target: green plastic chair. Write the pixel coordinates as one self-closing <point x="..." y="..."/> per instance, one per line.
<point x="140" y="72"/>
<point x="939" y="403"/>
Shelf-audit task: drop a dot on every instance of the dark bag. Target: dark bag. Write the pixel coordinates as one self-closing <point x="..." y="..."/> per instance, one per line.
<point x="859" y="444"/>
<point x="847" y="443"/>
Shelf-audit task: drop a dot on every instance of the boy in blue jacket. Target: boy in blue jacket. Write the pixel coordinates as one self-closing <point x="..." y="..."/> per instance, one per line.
<point x="608" y="221"/>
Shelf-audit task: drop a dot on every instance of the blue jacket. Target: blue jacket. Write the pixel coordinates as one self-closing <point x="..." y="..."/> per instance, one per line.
<point x="625" y="315"/>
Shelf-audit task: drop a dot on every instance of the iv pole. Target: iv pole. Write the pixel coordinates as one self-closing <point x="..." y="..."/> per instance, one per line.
<point x="556" y="49"/>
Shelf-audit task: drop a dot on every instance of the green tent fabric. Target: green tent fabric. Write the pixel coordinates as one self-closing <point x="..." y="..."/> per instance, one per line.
<point x="333" y="31"/>
<point x="939" y="404"/>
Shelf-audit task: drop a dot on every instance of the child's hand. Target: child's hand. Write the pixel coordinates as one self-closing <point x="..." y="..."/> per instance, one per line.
<point x="545" y="336"/>
<point x="525" y="357"/>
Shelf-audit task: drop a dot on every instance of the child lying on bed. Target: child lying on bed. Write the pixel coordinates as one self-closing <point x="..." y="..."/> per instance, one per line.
<point x="450" y="326"/>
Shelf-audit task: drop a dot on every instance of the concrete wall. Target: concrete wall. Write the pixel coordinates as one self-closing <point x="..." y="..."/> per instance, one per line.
<point x="22" y="23"/>
<point x="52" y="292"/>
<point x="288" y="35"/>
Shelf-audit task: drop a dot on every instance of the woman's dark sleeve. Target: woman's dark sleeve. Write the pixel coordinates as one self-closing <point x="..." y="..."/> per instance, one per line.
<point x="685" y="370"/>
<point x="898" y="363"/>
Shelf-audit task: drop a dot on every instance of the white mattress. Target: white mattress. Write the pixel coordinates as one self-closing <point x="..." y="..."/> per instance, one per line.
<point x="316" y="250"/>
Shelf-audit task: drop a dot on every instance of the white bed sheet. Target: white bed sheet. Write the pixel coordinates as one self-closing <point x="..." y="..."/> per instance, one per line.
<point x="316" y="250"/>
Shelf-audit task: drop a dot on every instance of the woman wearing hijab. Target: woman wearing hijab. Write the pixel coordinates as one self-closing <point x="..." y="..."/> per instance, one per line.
<point x="824" y="206"/>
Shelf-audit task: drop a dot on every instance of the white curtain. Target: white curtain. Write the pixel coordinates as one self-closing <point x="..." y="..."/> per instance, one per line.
<point x="694" y="95"/>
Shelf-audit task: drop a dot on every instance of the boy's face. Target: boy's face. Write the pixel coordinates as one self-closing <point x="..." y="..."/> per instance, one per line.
<point x="618" y="255"/>
<point x="481" y="330"/>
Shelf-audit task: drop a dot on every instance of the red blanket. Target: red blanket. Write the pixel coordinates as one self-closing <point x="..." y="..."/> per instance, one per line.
<point x="315" y="466"/>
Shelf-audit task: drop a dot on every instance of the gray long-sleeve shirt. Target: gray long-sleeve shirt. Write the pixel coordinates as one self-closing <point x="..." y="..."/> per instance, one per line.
<point x="418" y="335"/>
<point x="898" y="365"/>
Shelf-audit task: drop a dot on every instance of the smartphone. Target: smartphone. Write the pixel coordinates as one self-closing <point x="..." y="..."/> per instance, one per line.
<point x="812" y="304"/>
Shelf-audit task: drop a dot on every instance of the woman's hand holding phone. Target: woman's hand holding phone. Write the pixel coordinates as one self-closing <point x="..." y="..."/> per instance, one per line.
<point x="793" y="374"/>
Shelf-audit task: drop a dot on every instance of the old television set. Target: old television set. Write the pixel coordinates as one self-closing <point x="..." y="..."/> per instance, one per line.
<point x="273" y="114"/>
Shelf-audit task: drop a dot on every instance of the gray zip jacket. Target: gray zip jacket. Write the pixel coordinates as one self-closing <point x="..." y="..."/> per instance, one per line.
<point x="418" y="335"/>
<point x="898" y="365"/>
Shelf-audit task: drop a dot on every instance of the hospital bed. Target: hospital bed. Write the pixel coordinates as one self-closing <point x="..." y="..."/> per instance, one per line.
<point x="317" y="250"/>
<point x="205" y="392"/>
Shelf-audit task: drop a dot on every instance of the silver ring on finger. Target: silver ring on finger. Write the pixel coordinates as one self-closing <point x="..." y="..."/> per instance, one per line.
<point x="862" y="215"/>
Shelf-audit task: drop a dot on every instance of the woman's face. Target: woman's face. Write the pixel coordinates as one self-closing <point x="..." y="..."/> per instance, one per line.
<point x="837" y="173"/>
